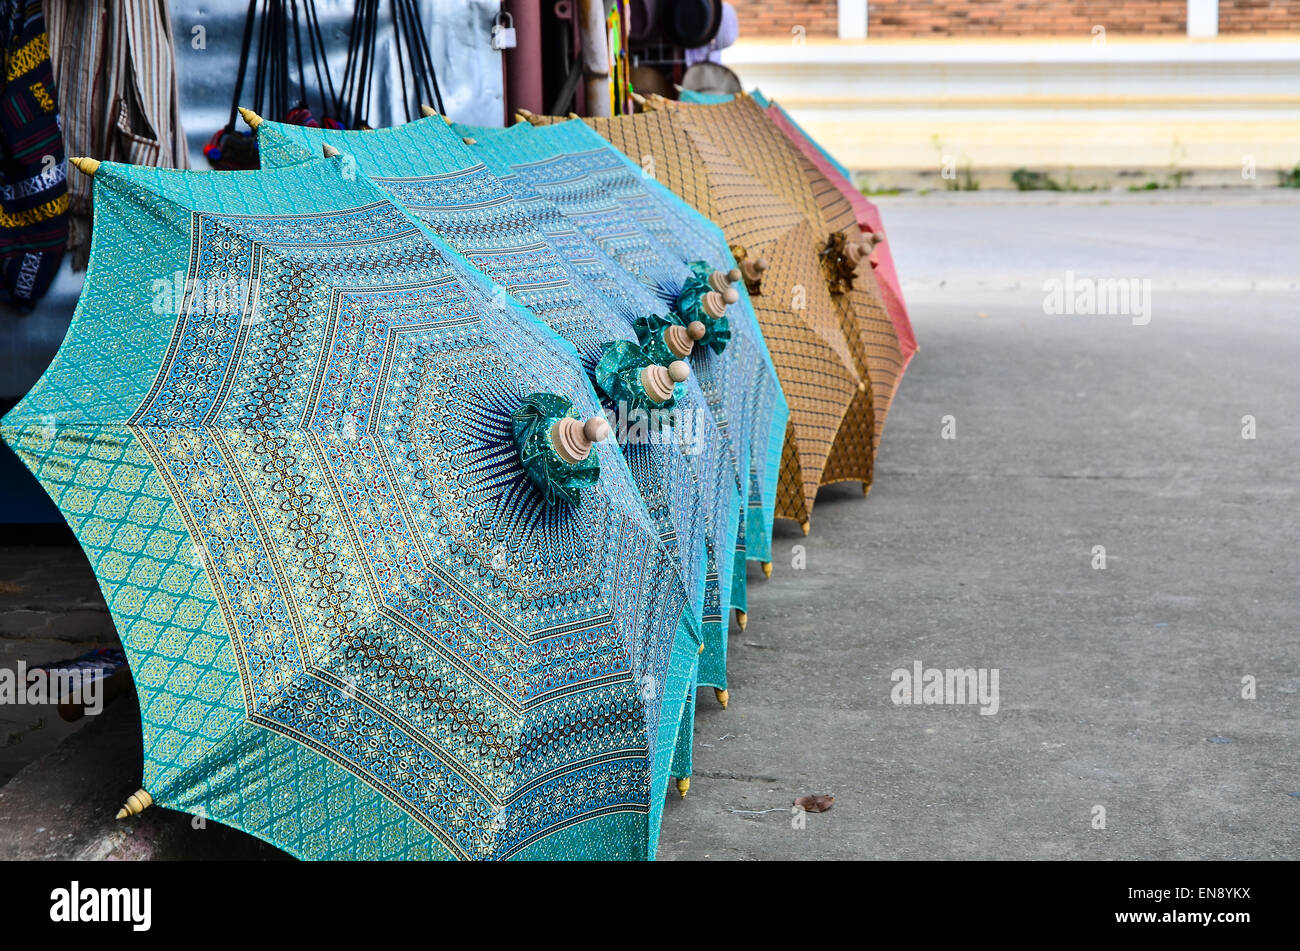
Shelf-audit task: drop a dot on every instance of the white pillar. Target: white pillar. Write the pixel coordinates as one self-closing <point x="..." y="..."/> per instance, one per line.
<point x="1202" y="17"/>
<point x="853" y="19"/>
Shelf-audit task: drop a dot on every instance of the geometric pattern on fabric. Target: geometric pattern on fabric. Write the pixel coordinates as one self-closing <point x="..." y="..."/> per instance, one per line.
<point x="754" y="140"/>
<point x="356" y="628"/>
<point x="863" y="306"/>
<point x="429" y="171"/>
<point x="869" y="219"/>
<point x="532" y="164"/>
<point x="719" y="475"/>
<point x="819" y="373"/>
<point x="759" y="140"/>
<point x="693" y="237"/>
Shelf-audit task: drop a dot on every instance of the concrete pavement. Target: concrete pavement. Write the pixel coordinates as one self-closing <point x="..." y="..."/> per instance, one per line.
<point x="1120" y="687"/>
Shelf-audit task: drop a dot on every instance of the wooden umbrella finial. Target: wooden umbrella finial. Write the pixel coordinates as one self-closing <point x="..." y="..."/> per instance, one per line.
<point x="87" y="166"/>
<point x="713" y="304"/>
<point x="658" y="384"/>
<point x="136" y="803"/>
<point x="574" y="438"/>
<point x="427" y="111"/>
<point x="251" y="117"/>
<point x="678" y="340"/>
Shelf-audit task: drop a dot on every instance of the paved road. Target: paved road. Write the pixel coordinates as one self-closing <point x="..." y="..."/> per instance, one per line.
<point x="1118" y="688"/>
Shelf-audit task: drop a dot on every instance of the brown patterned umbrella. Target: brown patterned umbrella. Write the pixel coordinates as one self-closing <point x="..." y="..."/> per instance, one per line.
<point x="744" y="130"/>
<point x="822" y="371"/>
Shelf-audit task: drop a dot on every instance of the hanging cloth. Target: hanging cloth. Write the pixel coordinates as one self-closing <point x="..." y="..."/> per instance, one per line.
<point x="33" y="167"/>
<point x="116" y="70"/>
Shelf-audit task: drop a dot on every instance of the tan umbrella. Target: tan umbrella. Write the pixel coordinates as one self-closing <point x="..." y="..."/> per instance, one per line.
<point x="824" y="380"/>
<point x="746" y="133"/>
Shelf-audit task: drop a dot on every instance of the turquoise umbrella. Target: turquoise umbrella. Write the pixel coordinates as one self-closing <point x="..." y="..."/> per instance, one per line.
<point x="728" y="363"/>
<point x="430" y="170"/>
<point x="732" y="363"/>
<point x="383" y="591"/>
<point x="601" y="175"/>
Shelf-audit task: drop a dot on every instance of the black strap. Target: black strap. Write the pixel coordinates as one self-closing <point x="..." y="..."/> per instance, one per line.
<point x="243" y="63"/>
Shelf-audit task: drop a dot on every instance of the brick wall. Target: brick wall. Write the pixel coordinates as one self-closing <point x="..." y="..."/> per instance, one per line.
<point x="922" y="18"/>
<point x="1025" y="17"/>
<point x="1259" y="16"/>
<point x="779" y="17"/>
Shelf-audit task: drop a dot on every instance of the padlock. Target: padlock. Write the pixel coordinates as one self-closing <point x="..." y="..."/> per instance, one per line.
<point x="503" y="34"/>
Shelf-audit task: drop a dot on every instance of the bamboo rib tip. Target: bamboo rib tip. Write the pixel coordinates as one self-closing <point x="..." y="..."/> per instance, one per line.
<point x="87" y="166"/>
<point x="329" y="151"/>
<point x="767" y="569"/>
<point x="136" y="803"/>
<point x="251" y="117"/>
<point x="722" y="696"/>
<point x="806" y="526"/>
<point x="427" y="111"/>
<point x="469" y="140"/>
<point x="742" y="618"/>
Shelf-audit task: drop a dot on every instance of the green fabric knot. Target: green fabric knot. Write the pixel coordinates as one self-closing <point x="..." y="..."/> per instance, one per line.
<point x="558" y="479"/>
<point x="689" y="307"/>
<point x="650" y="331"/>
<point x="618" y="375"/>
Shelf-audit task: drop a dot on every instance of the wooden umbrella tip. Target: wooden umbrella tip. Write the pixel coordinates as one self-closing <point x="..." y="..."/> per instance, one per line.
<point x="427" y="111"/>
<point x="468" y="140"/>
<point x="658" y="384"/>
<point x="767" y="569"/>
<point x="251" y="117"/>
<point x="87" y="166"/>
<point x="329" y="151"/>
<point x="135" y="804"/>
<point x="722" y="695"/>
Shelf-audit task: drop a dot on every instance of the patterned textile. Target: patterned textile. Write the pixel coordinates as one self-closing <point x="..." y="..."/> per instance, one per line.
<point x="116" y="71"/>
<point x="281" y="428"/>
<point x="685" y="471"/>
<point x="637" y="220"/>
<point x="821" y="169"/>
<point x="739" y="383"/>
<point x="869" y="219"/>
<point x="33" y="169"/>
<point x="752" y="139"/>
<point x="823" y="378"/>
